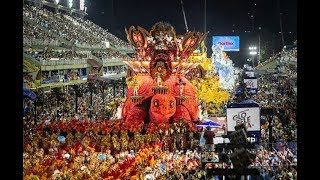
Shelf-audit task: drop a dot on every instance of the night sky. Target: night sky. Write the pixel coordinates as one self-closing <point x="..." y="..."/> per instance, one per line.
<point x="224" y="17"/>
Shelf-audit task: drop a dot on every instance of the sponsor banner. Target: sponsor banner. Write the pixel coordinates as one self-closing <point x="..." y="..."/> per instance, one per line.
<point x="254" y="137"/>
<point x="228" y="43"/>
<point x="251" y="83"/>
<point x="249" y="73"/>
<point x="250" y="116"/>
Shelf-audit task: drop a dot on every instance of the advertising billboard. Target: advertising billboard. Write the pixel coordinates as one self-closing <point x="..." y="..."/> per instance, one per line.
<point x="251" y="83"/>
<point x="250" y="116"/>
<point x="249" y="73"/>
<point x="229" y="43"/>
<point x="254" y="136"/>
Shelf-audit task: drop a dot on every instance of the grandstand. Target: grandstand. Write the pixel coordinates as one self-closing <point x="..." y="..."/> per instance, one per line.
<point x="284" y="61"/>
<point x="62" y="47"/>
<point x="82" y="119"/>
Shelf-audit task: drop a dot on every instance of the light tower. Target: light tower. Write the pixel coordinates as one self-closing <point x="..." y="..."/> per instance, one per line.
<point x="70" y="3"/>
<point x="253" y="52"/>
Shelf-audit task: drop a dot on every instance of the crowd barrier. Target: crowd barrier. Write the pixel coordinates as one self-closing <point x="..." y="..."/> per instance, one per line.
<point x="109" y="60"/>
<point x="38" y="42"/>
<point x="63" y="62"/>
<point x="97" y="46"/>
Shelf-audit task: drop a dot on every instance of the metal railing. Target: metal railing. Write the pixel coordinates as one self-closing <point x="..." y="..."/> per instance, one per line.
<point x="38" y="42"/>
<point x="32" y="60"/>
<point x="89" y="46"/>
<point x="63" y="62"/>
<point x="109" y="60"/>
<point x="123" y="48"/>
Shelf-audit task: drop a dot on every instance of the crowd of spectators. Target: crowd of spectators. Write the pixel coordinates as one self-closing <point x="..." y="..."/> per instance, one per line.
<point x="286" y="61"/>
<point x="58" y="23"/>
<point x="277" y="97"/>
<point x="108" y="54"/>
<point x="277" y="92"/>
<point x="35" y="35"/>
<point x="86" y="139"/>
<point x="61" y="141"/>
<point x="69" y="54"/>
<point x="88" y="155"/>
<point x="79" y="154"/>
<point x="53" y="77"/>
<point x="103" y="33"/>
<point x="53" y="54"/>
<point x="75" y="30"/>
<point x="101" y="104"/>
<point x="276" y="164"/>
<point x="65" y="76"/>
<point x="43" y="27"/>
<point x="28" y="80"/>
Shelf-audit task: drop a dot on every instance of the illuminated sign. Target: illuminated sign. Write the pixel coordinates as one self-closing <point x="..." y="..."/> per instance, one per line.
<point x="228" y="43"/>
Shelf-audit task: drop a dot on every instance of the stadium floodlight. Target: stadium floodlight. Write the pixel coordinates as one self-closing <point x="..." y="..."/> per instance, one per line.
<point x="57" y="1"/>
<point x="81" y="5"/>
<point x="253" y="52"/>
<point x="70" y="3"/>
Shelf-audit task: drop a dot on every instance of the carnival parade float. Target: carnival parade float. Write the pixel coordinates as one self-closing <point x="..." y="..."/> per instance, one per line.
<point x="171" y="85"/>
<point x="159" y="93"/>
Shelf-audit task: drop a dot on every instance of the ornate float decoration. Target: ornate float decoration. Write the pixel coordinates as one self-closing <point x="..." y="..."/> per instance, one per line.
<point x="159" y="94"/>
<point x="206" y="81"/>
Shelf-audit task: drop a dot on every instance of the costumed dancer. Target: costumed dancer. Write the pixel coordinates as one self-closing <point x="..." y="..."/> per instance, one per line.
<point x="209" y="135"/>
<point x="158" y="75"/>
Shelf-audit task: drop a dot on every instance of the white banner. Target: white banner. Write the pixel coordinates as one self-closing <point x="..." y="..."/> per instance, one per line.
<point x="249" y="73"/>
<point x="249" y="115"/>
<point x="107" y="44"/>
<point x="54" y="59"/>
<point x="251" y="83"/>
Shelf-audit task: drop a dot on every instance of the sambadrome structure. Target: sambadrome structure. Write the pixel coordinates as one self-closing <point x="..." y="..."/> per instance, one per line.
<point x="158" y="92"/>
